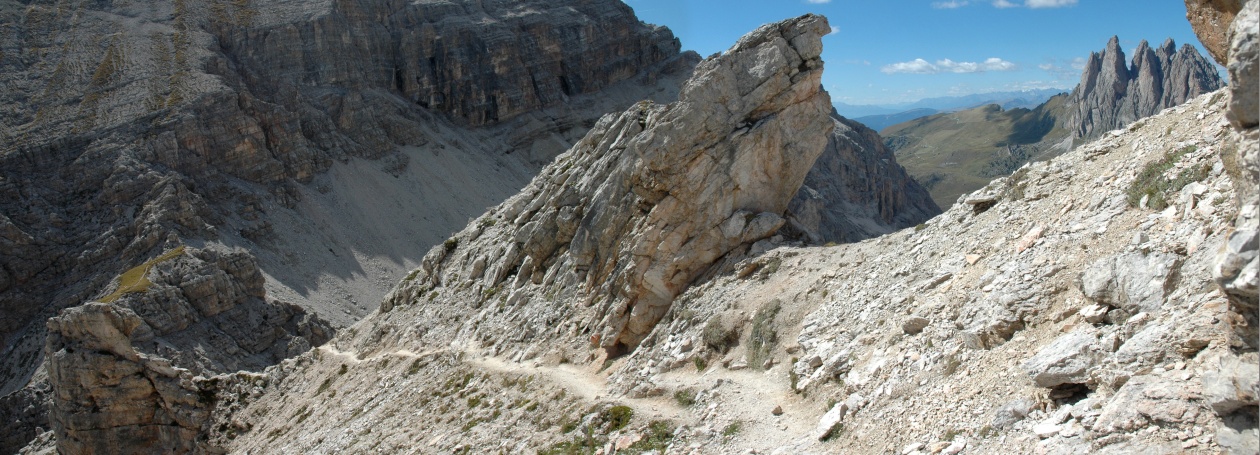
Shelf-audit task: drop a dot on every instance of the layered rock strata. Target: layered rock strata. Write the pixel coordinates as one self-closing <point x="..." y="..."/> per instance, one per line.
<point x="204" y="95"/>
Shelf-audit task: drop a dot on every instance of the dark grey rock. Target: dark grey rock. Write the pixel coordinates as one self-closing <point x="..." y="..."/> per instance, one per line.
<point x="1112" y="94"/>
<point x="856" y="190"/>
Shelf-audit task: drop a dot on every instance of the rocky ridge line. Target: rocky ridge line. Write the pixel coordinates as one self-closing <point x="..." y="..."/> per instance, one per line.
<point x="643" y="205"/>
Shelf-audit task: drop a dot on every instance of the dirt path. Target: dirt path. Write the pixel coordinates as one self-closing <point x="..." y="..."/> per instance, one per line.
<point x="580" y="380"/>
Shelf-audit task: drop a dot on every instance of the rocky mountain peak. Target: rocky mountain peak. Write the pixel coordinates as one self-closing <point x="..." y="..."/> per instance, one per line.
<point x="1168" y="48"/>
<point x="1113" y="93"/>
<point x="642" y="206"/>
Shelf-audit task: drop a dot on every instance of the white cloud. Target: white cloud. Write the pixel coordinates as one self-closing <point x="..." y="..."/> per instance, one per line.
<point x="834" y="30"/>
<point x="1035" y="4"/>
<point x="1064" y="70"/>
<point x="951" y="4"/>
<point x="1049" y="3"/>
<point x="916" y="66"/>
<point x="818" y="2"/>
<point x="921" y="66"/>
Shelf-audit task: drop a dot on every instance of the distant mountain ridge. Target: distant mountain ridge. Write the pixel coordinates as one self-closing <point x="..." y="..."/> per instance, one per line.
<point x="956" y="153"/>
<point x="1112" y="95"/>
<point x="879" y="122"/>
<point x="1008" y="100"/>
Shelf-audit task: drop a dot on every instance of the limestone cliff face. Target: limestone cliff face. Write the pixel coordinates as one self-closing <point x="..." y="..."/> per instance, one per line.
<point x="643" y="205"/>
<point x="189" y="118"/>
<point x="856" y="190"/>
<point x="480" y="62"/>
<point x="122" y="374"/>
<point x="1113" y="94"/>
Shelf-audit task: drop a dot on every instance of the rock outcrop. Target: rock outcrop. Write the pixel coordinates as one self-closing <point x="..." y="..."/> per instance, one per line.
<point x="643" y="205"/>
<point x="1231" y="388"/>
<point x="126" y="376"/>
<point x="856" y="190"/>
<point x="200" y="96"/>
<point x="1113" y="93"/>
<point x="1210" y="20"/>
<point x="1244" y="68"/>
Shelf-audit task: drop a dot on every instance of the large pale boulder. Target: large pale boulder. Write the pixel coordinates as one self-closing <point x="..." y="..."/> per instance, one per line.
<point x="1244" y="58"/>
<point x="1134" y="281"/>
<point x="1067" y="360"/>
<point x="651" y="198"/>
<point x="107" y="397"/>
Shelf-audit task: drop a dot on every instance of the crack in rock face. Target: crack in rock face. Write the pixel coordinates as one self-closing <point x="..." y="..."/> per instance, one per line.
<point x="651" y="198"/>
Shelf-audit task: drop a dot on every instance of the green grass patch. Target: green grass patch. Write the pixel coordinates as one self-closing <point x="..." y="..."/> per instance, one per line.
<point x="323" y="386"/>
<point x="618" y="417"/>
<point x="659" y="434"/>
<point x="1154" y="183"/>
<point x="762" y="338"/>
<point x="685" y="397"/>
<point x="414" y="367"/>
<point x="717" y="337"/>
<point x="412" y="275"/>
<point x="135" y="279"/>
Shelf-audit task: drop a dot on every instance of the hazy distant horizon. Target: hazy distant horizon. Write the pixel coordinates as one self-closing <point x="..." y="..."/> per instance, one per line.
<point x="887" y="53"/>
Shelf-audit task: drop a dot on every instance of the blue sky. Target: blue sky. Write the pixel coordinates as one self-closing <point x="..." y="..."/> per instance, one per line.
<point x="891" y="51"/>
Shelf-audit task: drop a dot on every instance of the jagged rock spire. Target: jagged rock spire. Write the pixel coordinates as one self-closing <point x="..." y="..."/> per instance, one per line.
<point x="1112" y="94"/>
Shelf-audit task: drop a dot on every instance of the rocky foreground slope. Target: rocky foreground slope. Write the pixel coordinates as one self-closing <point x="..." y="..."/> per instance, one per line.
<point x="1104" y="300"/>
<point x="323" y="146"/>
